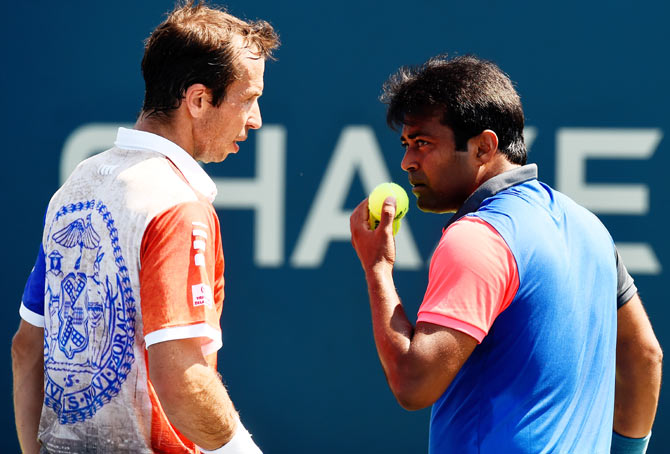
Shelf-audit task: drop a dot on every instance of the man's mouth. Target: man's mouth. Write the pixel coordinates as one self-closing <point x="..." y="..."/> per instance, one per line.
<point x="417" y="187"/>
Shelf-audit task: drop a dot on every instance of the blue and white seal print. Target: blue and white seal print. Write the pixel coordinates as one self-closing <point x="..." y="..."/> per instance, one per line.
<point x="89" y="327"/>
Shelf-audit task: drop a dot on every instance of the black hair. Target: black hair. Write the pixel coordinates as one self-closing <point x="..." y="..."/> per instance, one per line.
<point x="470" y="94"/>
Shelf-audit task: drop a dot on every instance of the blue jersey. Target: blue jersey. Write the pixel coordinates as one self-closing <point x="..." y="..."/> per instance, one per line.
<point x="542" y="380"/>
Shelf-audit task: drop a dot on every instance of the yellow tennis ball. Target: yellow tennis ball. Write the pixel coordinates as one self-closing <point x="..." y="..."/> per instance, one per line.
<point x="376" y="200"/>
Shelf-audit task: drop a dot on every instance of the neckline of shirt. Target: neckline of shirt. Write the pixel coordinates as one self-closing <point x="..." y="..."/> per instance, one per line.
<point x="132" y="139"/>
<point x="493" y="186"/>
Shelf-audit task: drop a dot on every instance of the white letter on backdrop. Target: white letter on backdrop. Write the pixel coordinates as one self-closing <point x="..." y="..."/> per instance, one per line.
<point x="264" y="194"/>
<point x="574" y="146"/>
<point x="357" y="150"/>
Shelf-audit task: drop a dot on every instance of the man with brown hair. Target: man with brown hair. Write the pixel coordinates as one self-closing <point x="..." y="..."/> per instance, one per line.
<point x="116" y="350"/>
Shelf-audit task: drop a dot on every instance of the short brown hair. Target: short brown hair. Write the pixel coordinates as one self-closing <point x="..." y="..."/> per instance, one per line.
<point x="195" y="45"/>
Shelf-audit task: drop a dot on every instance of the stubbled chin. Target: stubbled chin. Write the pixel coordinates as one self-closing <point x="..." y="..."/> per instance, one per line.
<point x="424" y="204"/>
<point x="233" y="149"/>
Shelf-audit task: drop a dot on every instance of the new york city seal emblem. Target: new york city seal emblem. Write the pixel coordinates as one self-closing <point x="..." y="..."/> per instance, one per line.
<point x="89" y="323"/>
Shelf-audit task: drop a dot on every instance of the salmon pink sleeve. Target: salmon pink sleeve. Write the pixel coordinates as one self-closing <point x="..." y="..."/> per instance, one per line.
<point x="181" y="276"/>
<point x="473" y="277"/>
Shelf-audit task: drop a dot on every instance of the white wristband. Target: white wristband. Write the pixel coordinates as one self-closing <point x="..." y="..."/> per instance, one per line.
<point x="241" y="443"/>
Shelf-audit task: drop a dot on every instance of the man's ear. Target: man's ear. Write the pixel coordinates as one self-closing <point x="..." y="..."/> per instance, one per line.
<point x="487" y="145"/>
<point x="196" y="99"/>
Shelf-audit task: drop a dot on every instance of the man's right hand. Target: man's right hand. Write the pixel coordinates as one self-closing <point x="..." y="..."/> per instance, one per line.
<point x="375" y="248"/>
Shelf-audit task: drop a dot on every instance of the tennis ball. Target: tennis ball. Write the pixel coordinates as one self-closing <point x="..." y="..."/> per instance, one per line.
<point x="376" y="200"/>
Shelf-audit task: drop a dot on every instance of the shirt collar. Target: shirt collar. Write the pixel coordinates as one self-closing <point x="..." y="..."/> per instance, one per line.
<point x="132" y="139"/>
<point x="493" y="186"/>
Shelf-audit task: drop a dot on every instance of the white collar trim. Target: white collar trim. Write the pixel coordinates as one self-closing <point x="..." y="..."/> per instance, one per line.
<point x="132" y="139"/>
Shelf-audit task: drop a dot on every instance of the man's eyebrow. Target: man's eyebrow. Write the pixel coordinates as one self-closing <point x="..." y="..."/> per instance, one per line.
<point x="254" y="91"/>
<point x="414" y="135"/>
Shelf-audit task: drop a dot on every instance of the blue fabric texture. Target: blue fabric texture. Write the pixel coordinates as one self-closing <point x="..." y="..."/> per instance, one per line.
<point x="542" y="380"/>
<point x="33" y="293"/>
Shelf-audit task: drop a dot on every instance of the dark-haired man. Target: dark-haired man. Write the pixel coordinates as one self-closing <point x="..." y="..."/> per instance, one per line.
<point x="527" y="300"/>
<point x="116" y="351"/>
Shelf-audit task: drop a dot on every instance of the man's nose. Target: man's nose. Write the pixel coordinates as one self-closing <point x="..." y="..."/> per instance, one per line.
<point x="408" y="162"/>
<point x="255" y="121"/>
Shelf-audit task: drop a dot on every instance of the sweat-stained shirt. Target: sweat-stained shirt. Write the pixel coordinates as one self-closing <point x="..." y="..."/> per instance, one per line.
<point x="130" y="256"/>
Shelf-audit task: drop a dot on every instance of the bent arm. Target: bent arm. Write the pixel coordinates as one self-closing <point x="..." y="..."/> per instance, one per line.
<point x="638" y="371"/>
<point x="420" y="363"/>
<point x="191" y="393"/>
<point x="28" y="386"/>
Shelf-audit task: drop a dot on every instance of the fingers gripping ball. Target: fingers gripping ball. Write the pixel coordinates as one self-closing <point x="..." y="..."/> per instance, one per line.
<point x="376" y="200"/>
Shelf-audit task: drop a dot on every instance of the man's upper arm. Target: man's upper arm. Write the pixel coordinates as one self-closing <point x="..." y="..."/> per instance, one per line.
<point x="190" y="392"/>
<point x="633" y="326"/>
<point x="473" y="278"/>
<point x="168" y="360"/>
<point x="29" y="339"/>
<point x="436" y="355"/>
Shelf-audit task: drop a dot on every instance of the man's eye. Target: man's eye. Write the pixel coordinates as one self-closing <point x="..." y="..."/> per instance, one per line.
<point x="421" y="143"/>
<point x="404" y="145"/>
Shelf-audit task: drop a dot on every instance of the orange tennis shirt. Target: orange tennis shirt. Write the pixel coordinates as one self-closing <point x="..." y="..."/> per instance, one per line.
<point x="131" y="256"/>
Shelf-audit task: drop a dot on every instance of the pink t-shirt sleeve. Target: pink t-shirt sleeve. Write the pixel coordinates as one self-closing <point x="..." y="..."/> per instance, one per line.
<point x="473" y="278"/>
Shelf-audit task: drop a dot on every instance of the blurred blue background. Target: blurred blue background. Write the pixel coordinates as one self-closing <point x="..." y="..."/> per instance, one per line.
<point x="298" y="358"/>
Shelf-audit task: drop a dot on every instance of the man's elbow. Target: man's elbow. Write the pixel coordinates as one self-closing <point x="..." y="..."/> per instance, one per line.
<point x="171" y="389"/>
<point x="177" y="387"/>
<point x="412" y="394"/>
<point x="653" y="356"/>
<point x="18" y="348"/>
<point x="650" y="354"/>
<point x="27" y="345"/>
<point x="646" y="357"/>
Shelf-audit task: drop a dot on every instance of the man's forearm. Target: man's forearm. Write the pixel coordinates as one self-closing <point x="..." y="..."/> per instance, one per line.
<point x="28" y="385"/>
<point x="638" y="385"/>
<point x="391" y="328"/>
<point x="638" y="371"/>
<point x="28" y="398"/>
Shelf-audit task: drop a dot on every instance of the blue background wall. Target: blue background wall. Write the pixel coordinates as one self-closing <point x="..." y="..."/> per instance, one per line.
<point x="299" y="357"/>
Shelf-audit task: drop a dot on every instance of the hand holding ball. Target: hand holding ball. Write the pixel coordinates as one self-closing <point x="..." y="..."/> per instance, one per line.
<point x="376" y="200"/>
